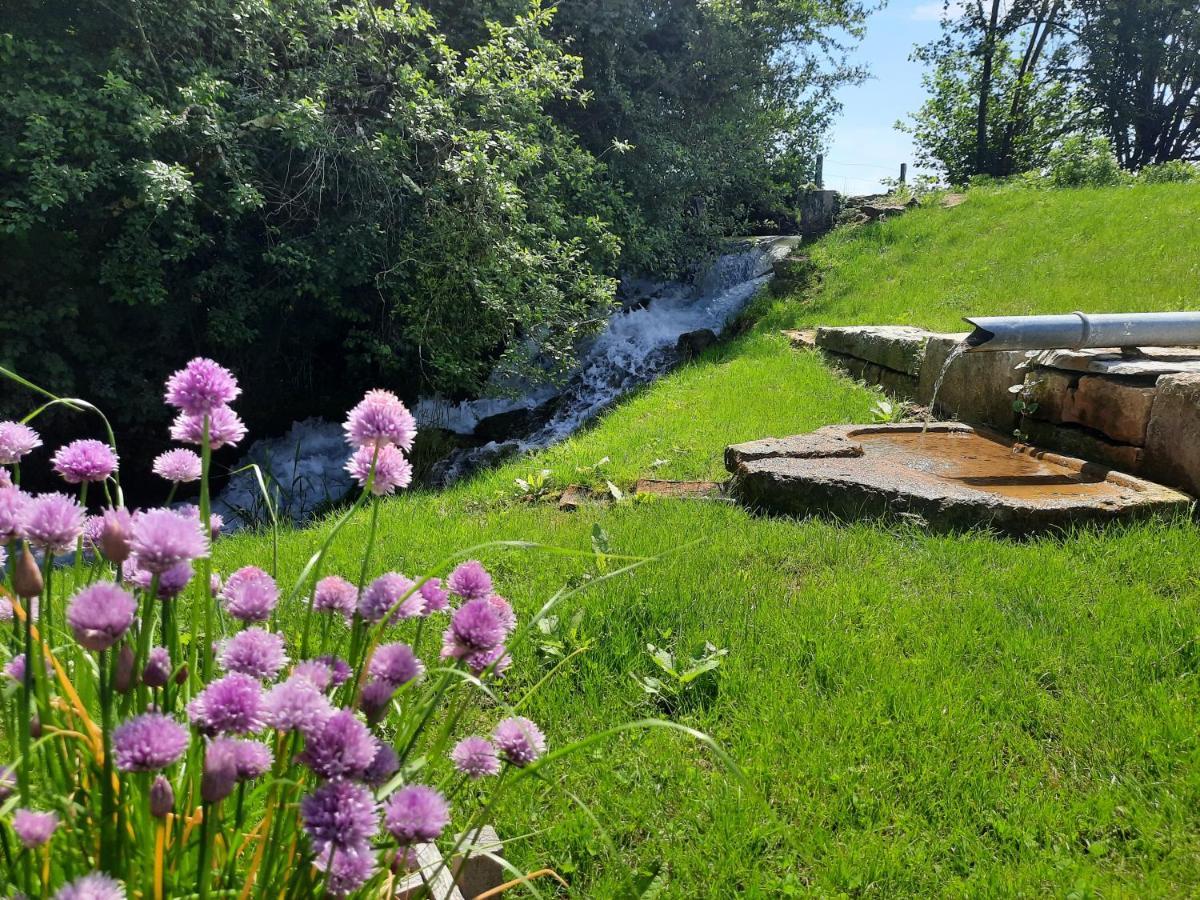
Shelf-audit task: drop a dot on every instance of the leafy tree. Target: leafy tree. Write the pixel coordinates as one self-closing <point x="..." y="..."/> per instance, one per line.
<point x="318" y="194"/>
<point x="1141" y="75"/>
<point x="998" y="100"/>
<point x="701" y="111"/>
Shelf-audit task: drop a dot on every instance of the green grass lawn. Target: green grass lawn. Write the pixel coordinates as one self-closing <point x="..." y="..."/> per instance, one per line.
<point x="916" y="716"/>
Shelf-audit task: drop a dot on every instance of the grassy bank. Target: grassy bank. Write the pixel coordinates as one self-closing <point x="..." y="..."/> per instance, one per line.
<point x="917" y="716"/>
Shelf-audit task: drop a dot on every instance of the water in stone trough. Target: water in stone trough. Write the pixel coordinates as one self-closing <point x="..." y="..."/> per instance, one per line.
<point x="637" y="345"/>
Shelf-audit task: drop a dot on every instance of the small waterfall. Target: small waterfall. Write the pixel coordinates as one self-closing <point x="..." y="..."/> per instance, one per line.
<point x="637" y="346"/>
<point x="955" y="353"/>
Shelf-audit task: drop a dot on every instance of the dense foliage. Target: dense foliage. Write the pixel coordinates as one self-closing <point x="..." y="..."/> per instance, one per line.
<point x="326" y="193"/>
<point x="1009" y="82"/>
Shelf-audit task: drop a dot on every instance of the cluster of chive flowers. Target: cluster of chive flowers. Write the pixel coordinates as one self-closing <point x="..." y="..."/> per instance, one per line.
<point x="381" y="430"/>
<point x="329" y="715"/>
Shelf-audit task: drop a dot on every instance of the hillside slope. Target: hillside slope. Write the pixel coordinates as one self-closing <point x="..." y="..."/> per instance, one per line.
<point x="949" y="716"/>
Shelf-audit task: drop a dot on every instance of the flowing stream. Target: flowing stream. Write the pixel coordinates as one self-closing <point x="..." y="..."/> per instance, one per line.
<point x="636" y="346"/>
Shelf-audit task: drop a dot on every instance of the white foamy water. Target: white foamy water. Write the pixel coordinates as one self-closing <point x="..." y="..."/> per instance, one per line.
<point x="634" y="348"/>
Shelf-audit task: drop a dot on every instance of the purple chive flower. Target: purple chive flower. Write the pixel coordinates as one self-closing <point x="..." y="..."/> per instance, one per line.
<point x="475" y="757"/>
<point x="339" y="668"/>
<point x="335" y="594"/>
<point x="341" y="746"/>
<point x="179" y="466"/>
<point x="5" y="478"/>
<point x="250" y="594"/>
<point x="16" y="667"/>
<point x="13" y="503"/>
<point x="376" y="695"/>
<point x="162" y="797"/>
<point x="170" y="583"/>
<point x="379" y="419"/>
<point x="157" y="671"/>
<point x="6" y="610"/>
<point x="296" y="705"/>
<point x="385" y="764"/>
<point x="416" y="814"/>
<point x="201" y="387"/>
<point x="230" y="704"/>
<point x="92" y="526"/>
<point x="17" y="440"/>
<point x="437" y="599"/>
<point x="163" y="538"/>
<point x="116" y="533"/>
<point x="508" y="618"/>
<point x="392" y="470"/>
<point x="85" y="461"/>
<point x="34" y="828"/>
<point x="347" y="870"/>
<point x="52" y="522"/>
<point x="495" y="660"/>
<point x="219" y="777"/>
<point x="395" y="664"/>
<point x="94" y="886"/>
<point x="215" y="522"/>
<point x="475" y="626"/>
<point x="251" y="759"/>
<point x="148" y="742"/>
<point x="384" y="593"/>
<point x="319" y="673"/>
<point x="224" y="429"/>
<point x="339" y="814"/>
<point x="470" y="581"/>
<point x="254" y="652"/>
<point x="99" y="615"/>
<point x="520" y="740"/>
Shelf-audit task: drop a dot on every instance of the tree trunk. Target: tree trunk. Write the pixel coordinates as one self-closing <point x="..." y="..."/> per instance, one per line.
<point x="985" y="92"/>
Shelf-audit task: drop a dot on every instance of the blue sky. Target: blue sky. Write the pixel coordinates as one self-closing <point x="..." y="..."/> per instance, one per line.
<point x="863" y="145"/>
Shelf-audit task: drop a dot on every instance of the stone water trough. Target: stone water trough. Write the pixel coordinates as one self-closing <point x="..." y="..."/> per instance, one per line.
<point x="950" y="476"/>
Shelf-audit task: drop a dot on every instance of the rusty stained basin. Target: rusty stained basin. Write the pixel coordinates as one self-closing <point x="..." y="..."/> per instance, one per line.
<point x="952" y="476"/>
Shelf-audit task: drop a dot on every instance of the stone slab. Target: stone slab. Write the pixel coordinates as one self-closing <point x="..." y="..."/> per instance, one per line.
<point x="818" y="211"/>
<point x="1118" y="409"/>
<point x="818" y="445"/>
<point x="975" y="387"/>
<point x="951" y="478"/>
<point x="477" y="869"/>
<point x="694" y="490"/>
<point x="801" y="339"/>
<point x="896" y="347"/>
<point x="1149" y="363"/>
<point x="1173" y="436"/>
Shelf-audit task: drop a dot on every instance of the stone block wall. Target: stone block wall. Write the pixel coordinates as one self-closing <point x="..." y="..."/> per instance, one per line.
<point x="1139" y="415"/>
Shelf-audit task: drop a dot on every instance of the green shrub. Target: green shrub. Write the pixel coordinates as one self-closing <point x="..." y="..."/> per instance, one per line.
<point x="1175" y="171"/>
<point x="1081" y="161"/>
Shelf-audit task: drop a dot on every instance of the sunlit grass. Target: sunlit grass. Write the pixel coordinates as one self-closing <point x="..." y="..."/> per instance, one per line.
<point x="924" y="716"/>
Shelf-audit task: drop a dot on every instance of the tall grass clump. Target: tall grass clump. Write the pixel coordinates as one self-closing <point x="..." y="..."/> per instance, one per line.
<point x="167" y="737"/>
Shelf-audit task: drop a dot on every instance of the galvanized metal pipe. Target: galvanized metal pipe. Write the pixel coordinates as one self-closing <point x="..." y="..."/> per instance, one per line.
<point x="1078" y="331"/>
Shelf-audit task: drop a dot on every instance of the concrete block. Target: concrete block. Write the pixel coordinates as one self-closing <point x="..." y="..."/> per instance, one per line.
<point x="975" y="386"/>
<point x="896" y="347"/>
<point x="1173" y="435"/>
<point x="1117" y="408"/>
